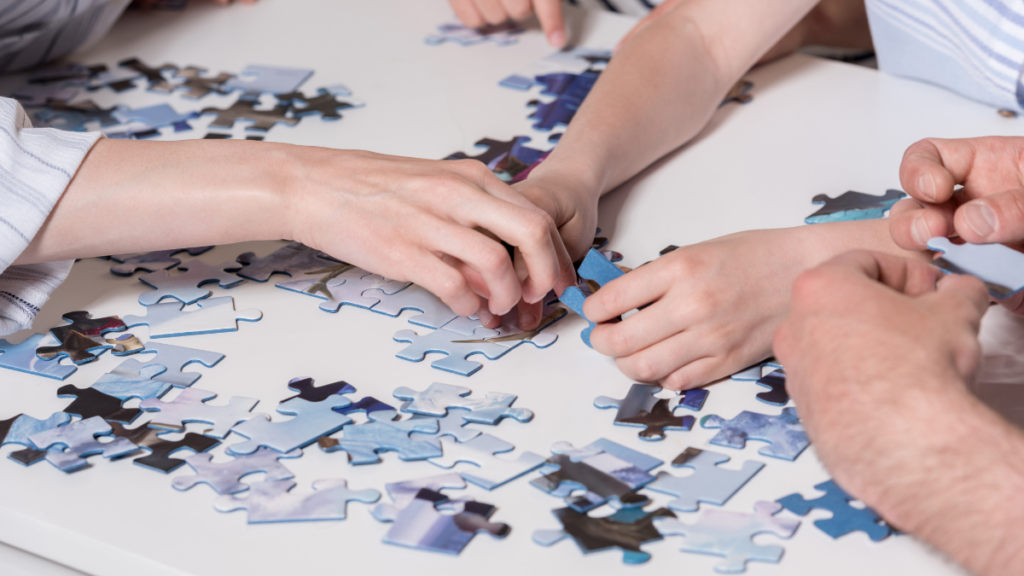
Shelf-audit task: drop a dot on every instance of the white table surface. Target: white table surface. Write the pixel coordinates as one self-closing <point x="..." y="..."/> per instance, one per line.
<point x="814" y="127"/>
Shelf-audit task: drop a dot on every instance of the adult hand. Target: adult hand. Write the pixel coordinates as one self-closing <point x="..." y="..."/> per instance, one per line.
<point x="715" y="305"/>
<point x="425" y="221"/>
<point x="478" y="13"/>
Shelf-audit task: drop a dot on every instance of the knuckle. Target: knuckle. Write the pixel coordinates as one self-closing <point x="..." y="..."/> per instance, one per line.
<point x="619" y="342"/>
<point x="810" y="284"/>
<point x="493" y="258"/>
<point x="645" y="370"/>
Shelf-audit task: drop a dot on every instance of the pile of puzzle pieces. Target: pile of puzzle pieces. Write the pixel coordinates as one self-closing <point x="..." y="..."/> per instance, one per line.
<point x="267" y="96"/>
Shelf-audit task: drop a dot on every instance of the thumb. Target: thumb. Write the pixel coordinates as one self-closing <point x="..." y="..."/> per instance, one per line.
<point x="996" y="218"/>
<point x="549" y="13"/>
<point x="965" y="295"/>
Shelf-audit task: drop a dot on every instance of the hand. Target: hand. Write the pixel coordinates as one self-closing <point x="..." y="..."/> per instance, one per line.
<point x="715" y="305"/>
<point x="477" y="13"/>
<point x="417" y="220"/>
<point x="877" y="360"/>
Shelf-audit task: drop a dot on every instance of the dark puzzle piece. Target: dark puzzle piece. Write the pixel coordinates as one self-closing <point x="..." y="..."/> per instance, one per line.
<point x="70" y="71"/>
<point x="368" y="405"/>
<point x="626" y="530"/>
<point x="422" y="525"/>
<point x="154" y="76"/>
<point x="739" y="93"/>
<point x="642" y="408"/>
<point x="852" y="206"/>
<point x="307" y="391"/>
<point x="294" y="259"/>
<point x="90" y="402"/>
<point x="18" y="429"/>
<point x="668" y="249"/>
<point x="507" y="158"/>
<point x="160" y="449"/>
<point x="151" y="261"/>
<point x="775" y="381"/>
<point x="74" y="345"/>
<point x="81" y="337"/>
<point x="245" y="110"/>
<point x="324" y="103"/>
<point x="603" y="469"/>
<point x="845" y="518"/>
<point x="196" y="85"/>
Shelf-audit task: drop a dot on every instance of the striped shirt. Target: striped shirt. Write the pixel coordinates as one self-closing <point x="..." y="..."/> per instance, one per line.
<point x="972" y="47"/>
<point x="34" y="32"/>
<point x="36" y="165"/>
<point x="630" y="7"/>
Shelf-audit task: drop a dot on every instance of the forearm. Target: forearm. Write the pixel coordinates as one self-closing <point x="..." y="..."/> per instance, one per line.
<point x="664" y="84"/>
<point x="834" y="238"/>
<point x="131" y="196"/>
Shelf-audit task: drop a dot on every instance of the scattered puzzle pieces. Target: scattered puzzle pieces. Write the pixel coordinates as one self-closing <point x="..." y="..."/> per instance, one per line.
<point x="18" y="429"/>
<point x="22" y="357"/>
<point x="214" y="315"/>
<point x="190" y="406"/>
<point x="435" y="313"/>
<point x="141" y="386"/>
<point x="784" y="432"/>
<point x="185" y="287"/>
<point x="382" y="433"/>
<point x="175" y="358"/>
<point x="729" y="534"/>
<point x="294" y="259"/>
<point x="195" y="85"/>
<point x="274" y="502"/>
<point x="845" y="518"/>
<point x="1001" y="268"/>
<point x="604" y="470"/>
<point x="160" y="449"/>
<point x="709" y="483"/>
<point x="151" y="261"/>
<point x="642" y="408"/>
<point x="67" y="447"/>
<point x="852" y="206"/>
<point x="623" y="530"/>
<point x="438" y="397"/>
<point x="501" y="34"/>
<point x="226" y="477"/>
<point x="81" y="339"/>
<point x="311" y="421"/>
<point x="490" y="471"/>
<point x="421" y="525"/>
<point x="90" y="402"/>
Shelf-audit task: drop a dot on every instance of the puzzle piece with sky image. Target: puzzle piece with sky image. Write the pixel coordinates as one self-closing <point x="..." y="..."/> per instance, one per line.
<point x="439" y="397"/>
<point x="503" y="34"/>
<point x="603" y="470"/>
<point x="18" y="429"/>
<point x="310" y="421"/>
<point x="1001" y="268"/>
<point x="190" y="406"/>
<point x="275" y="502"/>
<point x="22" y="357"/>
<point x="258" y="79"/>
<point x="226" y="477"/>
<point x="381" y="434"/>
<point x="709" y="482"/>
<point x="168" y="319"/>
<point x="845" y="518"/>
<point x="489" y="471"/>
<point x="784" y="432"/>
<point x="642" y="408"/>
<point x="433" y="312"/>
<point x="151" y="261"/>
<point x="852" y="206"/>
<point x="186" y="288"/>
<point x="421" y="524"/>
<point x="141" y="386"/>
<point x="294" y="259"/>
<point x="67" y="447"/>
<point x="626" y="529"/>
<point x="175" y="358"/>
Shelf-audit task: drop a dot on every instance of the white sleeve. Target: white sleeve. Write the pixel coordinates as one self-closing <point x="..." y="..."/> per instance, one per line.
<point x="36" y="165"/>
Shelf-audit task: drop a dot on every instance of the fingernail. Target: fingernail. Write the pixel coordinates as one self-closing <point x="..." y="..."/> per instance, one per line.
<point x="556" y="38"/>
<point x="919" y="230"/>
<point x="981" y="218"/>
<point x="926" y="187"/>
<point x="527" y="319"/>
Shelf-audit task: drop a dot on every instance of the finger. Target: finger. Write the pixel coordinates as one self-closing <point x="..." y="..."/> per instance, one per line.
<point x="641" y="330"/>
<point x="467" y="13"/>
<point x="487" y="257"/>
<point x="492" y="11"/>
<point x="909" y="277"/>
<point x="912" y="224"/>
<point x="933" y="166"/>
<point x="488" y="320"/>
<point x="997" y="218"/>
<point x="695" y="374"/>
<point x="549" y="13"/>
<point x="445" y="282"/>
<point x="965" y="294"/>
<point x="529" y="315"/>
<point x="517" y="9"/>
<point x="633" y="290"/>
<point x="658" y="361"/>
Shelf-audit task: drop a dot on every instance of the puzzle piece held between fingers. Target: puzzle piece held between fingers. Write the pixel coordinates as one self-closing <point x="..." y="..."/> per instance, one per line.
<point x="214" y="315"/>
<point x="729" y="534"/>
<point x="190" y="406"/>
<point x="845" y="518"/>
<point x="274" y="502"/>
<point x="1001" y="268"/>
<point x="784" y="432"/>
<point x="67" y="447"/>
<point x="709" y="483"/>
<point x="852" y="206"/>
<point x="226" y="477"/>
<point x="623" y="530"/>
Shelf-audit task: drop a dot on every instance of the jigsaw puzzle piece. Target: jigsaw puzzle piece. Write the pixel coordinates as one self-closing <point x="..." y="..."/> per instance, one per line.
<point x="20" y="428"/>
<point x="503" y="34"/>
<point x="421" y="525"/>
<point x="22" y="357"/>
<point x="226" y="477"/>
<point x="67" y="447"/>
<point x="158" y="116"/>
<point x="382" y="433"/>
<point x="573" y="298"/>
<point x="435" y="313"/>
<point x="775" y="381"/>
<point x="74" y="117"/>
<point x="784" y="432"/>
<point x="257" y="79"/>
<point x="403" y="493"/>
<point x="439" y="397"/>
<point x="81" y="339"/>
<point x="125" y="344"/>
<point x="34" y="95"/>
<point x="90" y="402"/>
<point x="141" y="386"/>
<point x="325" y="105"/>
<point x="642" y="408"/>
<point x="845" y="518"/>
<point x="451" y="425"/>
<point x="1001" y="268"/>
<point x="175" y="358"/>
<point x="604" y="470"/>
<point x="852" y="206"/>
<point x="573" y="60"/>
<point x="508" y="334"/>
<point x="214" y="315"/>
<point x="154" y="76"/>
<point x="446" y="342"/>
<point x="310" y="393"/>
<point x="195" y="85"/>
<point x="274" y="502"/>
<point x="755" y="372"/>
<point x="491" y="471"/>
<point x="245" y="110"/>
<point x="311" y="421"/>
<point x="190" y="406"/>
<point x="345" y="288"/>
<point x="160" y="449"/>
<point x="549" y="115"/>
<point x="294" y="259"/>
<point x="739" y="93"/>
<point x="729" y="534"/>
<point x="709" y="483"/>
<point x="621" y="530"/>
<point x="185" y="287"/>
<point x="151" y="261"/>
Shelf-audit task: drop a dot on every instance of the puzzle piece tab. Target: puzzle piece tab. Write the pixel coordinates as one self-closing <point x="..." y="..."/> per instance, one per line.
<point x="845" y="518"/>
<point x="784" y="432"/>
<point x="709" y="483"/>
<point x="274" y="502"/>
<point x="214" y="315"/>
<point x="226" y="477"/>
<point x="852" y="206"/>
<point x="22" y="357"/>
<point x="729" y="534"/>
<point x="185" y="287"/>
<point x="67" y="447"/>
<point x="1001" y="268"/>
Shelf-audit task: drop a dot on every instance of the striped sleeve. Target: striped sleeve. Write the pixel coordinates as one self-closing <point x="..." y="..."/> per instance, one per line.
<point x="36" y="165"/>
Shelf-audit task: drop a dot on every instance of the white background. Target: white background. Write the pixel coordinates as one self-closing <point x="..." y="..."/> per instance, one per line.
<point x="813" y="127"/>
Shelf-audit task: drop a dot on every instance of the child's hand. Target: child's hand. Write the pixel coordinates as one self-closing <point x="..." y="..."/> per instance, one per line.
<point x="477" y="13"/>
<point x="715" y="305"/>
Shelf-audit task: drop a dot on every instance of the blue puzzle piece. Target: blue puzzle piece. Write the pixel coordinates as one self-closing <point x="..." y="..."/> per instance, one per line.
<point x="999" y="267"/>
<point x="549" y="115"/>
<point x="694" y="399"/>
<point x="594" y="267"/>
<point x="272" y="79"/>
<point x="785" y="432"/>
<point x="22" y="357"/>
<point x="311" y="421"/>
<point x="382" y="433"/>
<point x="852" y="206"/>
<point x="754" y="373"/>
<point x="141" y="386"/>
<point x="156" y="117"/>
<point x="443" y="341"/>
<point x="775" y="381"/>
<point x="642" y="408"/>
<point x="18" y="429"/>
<point x="845" y="518"/>
<point x="574" y="298"/>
